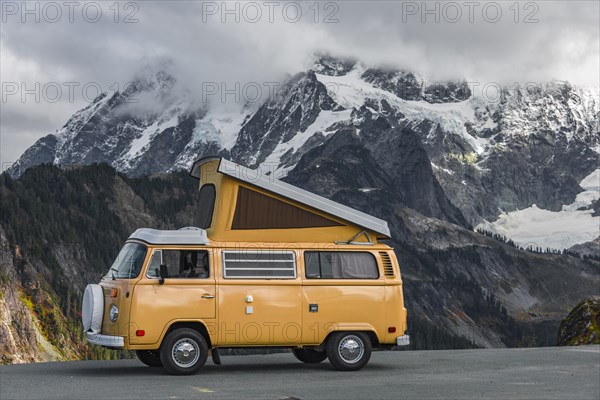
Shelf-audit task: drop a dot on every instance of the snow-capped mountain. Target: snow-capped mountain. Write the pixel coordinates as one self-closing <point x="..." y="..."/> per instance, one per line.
<point x="436" y="147"/>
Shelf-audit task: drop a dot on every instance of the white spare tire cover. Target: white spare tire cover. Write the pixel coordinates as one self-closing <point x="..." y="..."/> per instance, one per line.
<point x="92" y="308"/>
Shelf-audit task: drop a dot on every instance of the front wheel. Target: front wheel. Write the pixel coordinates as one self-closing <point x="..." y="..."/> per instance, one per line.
<point x="349" y="351"/>
<point x="149" y="357"/>
<point x="183" y="352"/>
<point x="309" y="356"/>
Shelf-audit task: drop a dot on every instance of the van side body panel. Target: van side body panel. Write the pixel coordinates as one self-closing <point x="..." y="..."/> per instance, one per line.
<point x="121" y="326"/>
<point x="257" y="312"/>
<point x="272" y="318"/>
<point x="155" y="307"/>
<point x="123" y="300"/>
<point x="283" y="312"/>
<point x="352" y="306"/>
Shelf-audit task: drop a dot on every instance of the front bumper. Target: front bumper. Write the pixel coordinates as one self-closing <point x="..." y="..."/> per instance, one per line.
<point x="403" y="340"/>
<point x="116" y="342"/>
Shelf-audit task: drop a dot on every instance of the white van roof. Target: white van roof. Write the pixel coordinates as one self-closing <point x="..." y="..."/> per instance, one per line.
<point x="183" y="236"/>
<point x="269" y="183"/>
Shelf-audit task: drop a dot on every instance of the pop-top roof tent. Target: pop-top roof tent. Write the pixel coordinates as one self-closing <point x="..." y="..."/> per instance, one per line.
<point x="240" y="204"/>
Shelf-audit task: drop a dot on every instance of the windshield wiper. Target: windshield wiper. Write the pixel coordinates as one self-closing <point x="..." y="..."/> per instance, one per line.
<point x="113" y="274"/>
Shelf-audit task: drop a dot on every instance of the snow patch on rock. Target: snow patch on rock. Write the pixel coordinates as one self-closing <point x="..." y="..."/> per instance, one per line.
<point x="324" y="121"/>
<point x="559" y="230"/>
<point x="351" y="91"/>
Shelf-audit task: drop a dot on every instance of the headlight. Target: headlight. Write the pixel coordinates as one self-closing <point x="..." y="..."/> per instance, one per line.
<point x="114" y="313"/>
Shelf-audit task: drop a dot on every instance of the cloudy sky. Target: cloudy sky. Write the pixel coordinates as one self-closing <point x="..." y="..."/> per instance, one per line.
<point x="54" y="57"/>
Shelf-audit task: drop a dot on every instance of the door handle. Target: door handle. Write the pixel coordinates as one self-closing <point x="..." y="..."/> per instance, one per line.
<point x="208" y="296"/>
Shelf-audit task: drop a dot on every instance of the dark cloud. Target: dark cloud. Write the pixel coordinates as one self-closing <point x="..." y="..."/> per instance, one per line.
<point x="549" y="40"/>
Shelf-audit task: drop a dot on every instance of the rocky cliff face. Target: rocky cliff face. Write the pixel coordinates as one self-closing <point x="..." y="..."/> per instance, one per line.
<point x="294" y="109"/>
<point x="33" y="327"/>
<point x="589" y="249"/>
<point x="379" y="158"/>
<point x="582" y="325"/>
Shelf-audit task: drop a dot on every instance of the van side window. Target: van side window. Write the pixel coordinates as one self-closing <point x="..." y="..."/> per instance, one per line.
<point x="340" y="265"/>
<point x="253" y="264"/>
<point x="205" y="206"/>
<point x="180" y="263"/>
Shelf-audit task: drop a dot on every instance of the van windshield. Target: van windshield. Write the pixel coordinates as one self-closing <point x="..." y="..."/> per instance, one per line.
<point x="129" y="261"/>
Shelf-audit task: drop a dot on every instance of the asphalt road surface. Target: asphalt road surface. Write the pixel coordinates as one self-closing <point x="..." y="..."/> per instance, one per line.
<point x="540" y="373"/>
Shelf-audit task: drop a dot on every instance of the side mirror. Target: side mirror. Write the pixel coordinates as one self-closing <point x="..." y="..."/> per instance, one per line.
<point x="162" y="273"/>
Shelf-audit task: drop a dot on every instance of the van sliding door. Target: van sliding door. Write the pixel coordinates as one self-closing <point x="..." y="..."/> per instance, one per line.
<point x="259" y="298"/>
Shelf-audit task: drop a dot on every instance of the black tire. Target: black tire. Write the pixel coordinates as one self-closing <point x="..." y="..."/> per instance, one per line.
<point x="183" y="352"/>
<point x="149" y="357"/>
<point x="309" y="356"/>
<point x="349" y="351"/>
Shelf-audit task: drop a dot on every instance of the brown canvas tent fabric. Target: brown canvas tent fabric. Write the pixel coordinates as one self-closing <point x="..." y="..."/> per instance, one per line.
<point x="255" y="210"/>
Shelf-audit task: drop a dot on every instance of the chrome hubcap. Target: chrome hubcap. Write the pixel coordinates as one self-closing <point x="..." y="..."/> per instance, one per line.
<point x="351" y="349"/>
<point x="186" y="353"/>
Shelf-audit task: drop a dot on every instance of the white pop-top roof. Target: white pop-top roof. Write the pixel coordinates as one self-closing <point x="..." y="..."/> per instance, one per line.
<point x="191" y="235"/>
<point x="269" y="183"/>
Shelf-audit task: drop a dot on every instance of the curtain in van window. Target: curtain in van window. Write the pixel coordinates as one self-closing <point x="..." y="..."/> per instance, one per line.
<point x="343" y="265"/>
<point x="353" y="265"/>
<point x="312" y="264"/>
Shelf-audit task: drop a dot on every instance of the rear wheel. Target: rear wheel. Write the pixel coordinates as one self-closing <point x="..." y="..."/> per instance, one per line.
<point x="349" y="351"/>
<point x="149" y="357"/>
<point x="183" y="352"/>
<point x="309" y="356"/>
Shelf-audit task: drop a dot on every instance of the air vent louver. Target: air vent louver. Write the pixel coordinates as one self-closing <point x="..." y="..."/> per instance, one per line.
<point x="388" y="267"/>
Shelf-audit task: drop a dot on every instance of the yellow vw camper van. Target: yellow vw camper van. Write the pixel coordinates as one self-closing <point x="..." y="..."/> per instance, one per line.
<point x="266" y="264"/>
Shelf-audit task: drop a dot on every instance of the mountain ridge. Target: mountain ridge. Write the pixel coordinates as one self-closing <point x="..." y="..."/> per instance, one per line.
<point x="532" y="147"/>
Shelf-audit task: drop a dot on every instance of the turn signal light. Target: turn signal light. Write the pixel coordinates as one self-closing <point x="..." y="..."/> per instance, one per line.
<point x="114" y="292"/>
<point x="392" y="329"/>
<point x="140" y="332"/>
